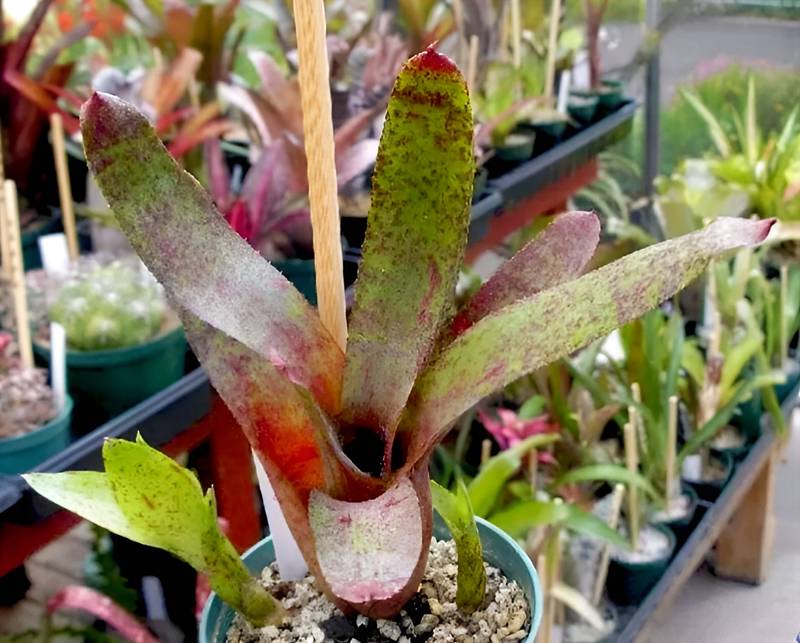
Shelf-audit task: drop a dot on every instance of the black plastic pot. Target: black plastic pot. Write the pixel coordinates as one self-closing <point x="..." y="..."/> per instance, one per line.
<point x="710" y="490"/>
<point x="629" y="583"/>
<point x="517" y="148"/>
<point x="792" y="377"/>
<point x="682" y="527"/>
<point x="582" y="107"/>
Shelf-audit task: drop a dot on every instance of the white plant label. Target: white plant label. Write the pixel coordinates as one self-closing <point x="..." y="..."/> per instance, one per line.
<point x="291" y="564"/>
<point x="54" y="252"/>
<point x="563" y="91"/>
<point x="58" y="364"/>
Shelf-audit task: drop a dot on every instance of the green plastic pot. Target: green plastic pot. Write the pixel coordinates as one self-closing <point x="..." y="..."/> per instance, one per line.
<point x="682" y="527"/>
<point x="499" y="550"/>
<point x="24" y="452"/>
<point x="709" y="491"/>
<point x="582" y="107"/>
<point x="302" y="275"/>
<point x="116" y="380"/>
<point x="792" y="377"/>
<point x="31" y="260"/>
<point x="628" y="583"/>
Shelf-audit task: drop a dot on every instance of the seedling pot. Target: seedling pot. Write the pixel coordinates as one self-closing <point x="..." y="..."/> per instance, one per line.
<point x="682" y="526"/>
<point x="31" y="259"/>
<point x="517" y="148"/>
<point x="24" y="452"/>
<point x="499" y="550"/>
<point x="582" y="108"/>
<point x="116" y="380"/>
<point x="709" y="490"/>
<point x="629" y="582"/>
<point x="302" y="275"/>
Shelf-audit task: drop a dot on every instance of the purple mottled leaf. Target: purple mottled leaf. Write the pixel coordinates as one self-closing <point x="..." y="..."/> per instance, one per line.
<point x="415" y="240"/>
<point x="373" y="553"/>
<point x="558" y="254"/>
<point x="540" y="329"/>
<point x="202" y="263"/>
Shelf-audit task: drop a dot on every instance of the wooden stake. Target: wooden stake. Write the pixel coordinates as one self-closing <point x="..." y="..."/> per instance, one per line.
<point x="632" y="462"/>
<point x="516" y="32"/>
<point x="5" y="272"/>
<point x="605" y="555"/>
<point x="472" y="63"/>
<point x="552" y="45"/>
<point x="17" y="271"/>
<point x="784" y="317"/>
<point x="672" y="438"/>
<point x="639" y="423"/>
<point x="64" y="188"/>
<point x="546" y="628"/>
<point x="486" y="451"/>
<point x="323" y="197"/>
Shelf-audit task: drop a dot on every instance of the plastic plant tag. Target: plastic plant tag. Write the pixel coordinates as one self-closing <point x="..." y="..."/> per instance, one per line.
<point x="54" y="252"/>
<point x="691" y="467"/>
<point x="58" y="364"/>
<point x="291" y="564"/>
<point x="563" y="91"/>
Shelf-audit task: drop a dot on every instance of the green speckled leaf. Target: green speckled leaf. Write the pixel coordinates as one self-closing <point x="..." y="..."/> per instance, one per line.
<point x="415" y="240"/>
<point x="146" y="497"/>
<point x="457" y="514"/>
<point x="204" y="265"/>
<point x="540" y="329"/>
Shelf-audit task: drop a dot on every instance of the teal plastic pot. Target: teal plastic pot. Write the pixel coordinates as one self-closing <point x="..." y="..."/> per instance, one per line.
<point x="31" y="259"/>
<point x="709" y="491"/>
<point x="24" y="452"/>
<point x="582" y="107"/>
<point x="628" y="583"/>
<point x="302" y="275"/>
<point x="517" y="148"/>
<point x="682" y="527"/>
<point x="792" y="377"/>
<point x="499" y="550"/>
<point x="116" y="380"/>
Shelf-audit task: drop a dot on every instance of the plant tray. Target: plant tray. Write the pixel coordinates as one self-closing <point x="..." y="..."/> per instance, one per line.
<point x="158" y="419"/>
<point x="633" y="623"/>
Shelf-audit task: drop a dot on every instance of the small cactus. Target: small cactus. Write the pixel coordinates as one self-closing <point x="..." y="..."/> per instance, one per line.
<point x="26" y="401"/>
<point x="108" y="308"/>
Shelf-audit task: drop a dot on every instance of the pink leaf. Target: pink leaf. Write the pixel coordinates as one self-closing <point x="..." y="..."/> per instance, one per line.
<point x="202" y="263"/>
<point x="102" y="607"/>
<point x="356" y="161"/>
<point x="373" y="553"/>
<point x="558" y="254"/>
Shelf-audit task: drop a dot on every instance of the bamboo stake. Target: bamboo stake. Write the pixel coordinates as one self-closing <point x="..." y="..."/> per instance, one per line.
<point x="322" y="190"/>
<point x="552" y="45"/>
<point x="472" y="62"/>
<point x="639" y="423"/>
<point x="4" y="248"/>
<point x="605" y="555"/>
<point x="486" y="451"/>
<point x="784" y="317"/>
<point x="672" y="437"/>
<point x="632" y="462"/>
<point x="546" y="628"/>
<point x="516" y="33"/>
<point x="64" y="187"/>
<point x="17" y="272"/>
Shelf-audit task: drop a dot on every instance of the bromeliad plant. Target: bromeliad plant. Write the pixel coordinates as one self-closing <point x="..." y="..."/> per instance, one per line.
<point x="345" y="437"/>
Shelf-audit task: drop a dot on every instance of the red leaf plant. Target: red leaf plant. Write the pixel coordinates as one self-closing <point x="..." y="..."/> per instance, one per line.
<point x="345" y="437"/>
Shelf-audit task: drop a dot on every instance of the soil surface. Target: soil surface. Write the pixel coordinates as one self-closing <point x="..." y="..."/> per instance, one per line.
<point x="679" y="507"/>
<point x="729" y="437"/>
<point x="653" y="545"/>
<point x="431" y="615"/>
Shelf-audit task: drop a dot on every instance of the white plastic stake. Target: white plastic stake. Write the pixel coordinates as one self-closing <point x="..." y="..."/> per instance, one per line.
<point x="55" y="253"/>
<point x="291" y="564"/>
<point x="563" y="91"/>
<point x="692" y="467"/>
<point x="58" y="364"/>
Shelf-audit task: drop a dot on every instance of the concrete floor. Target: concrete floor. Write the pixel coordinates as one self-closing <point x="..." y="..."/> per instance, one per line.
<point x="711" y="610"/>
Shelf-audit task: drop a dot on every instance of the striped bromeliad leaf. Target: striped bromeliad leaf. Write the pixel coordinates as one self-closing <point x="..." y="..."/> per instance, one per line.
<point x="345" y="438"/>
